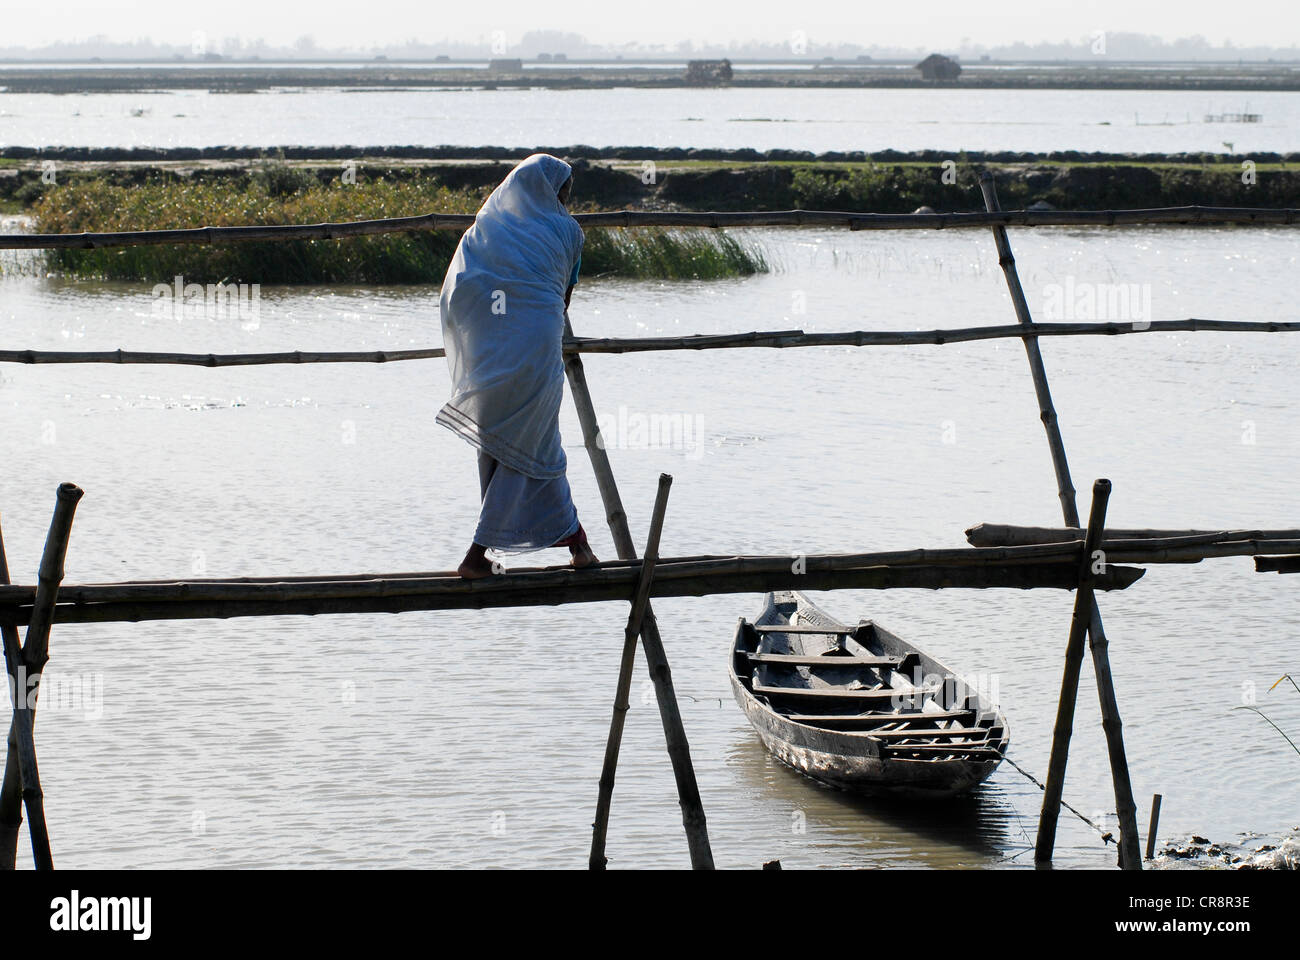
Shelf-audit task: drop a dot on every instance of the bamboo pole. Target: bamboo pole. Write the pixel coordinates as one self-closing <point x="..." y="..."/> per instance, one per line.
<point x="1130" y="851"/>
<point x="599" y="828"/>
<point x="615" y="578"/>
<point x="35" y="654"/>
<point x="776" y="339"/>
<point x="1195" y="553"/>
<point x="1008" y="535"/>
<point x="401" y="575"/>
<point x="1134" y="551"/>
<point x="1277" y="564"/>
<point x="631" y="218"/>
<point x="22" y="745"/>
<point x="545" y="587"/>
<point x="1023" y="576"/>
<point x="135" y="357"/>
<point x="620" y="572"/>
<point x="1047" y="412"/>
<point x="1079" y="624"/>
<point x="1153" y="825"/>
<point x="1070" y="512"/>
<point x="679" y="751"/>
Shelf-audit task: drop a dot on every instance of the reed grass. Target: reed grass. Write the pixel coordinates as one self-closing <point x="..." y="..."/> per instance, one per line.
<point x="1290" y="679"/>
<point x="658" y="253"/>
<point x="275" y="195"/>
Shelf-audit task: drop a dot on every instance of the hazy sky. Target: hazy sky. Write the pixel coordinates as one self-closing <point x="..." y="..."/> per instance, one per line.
<point x="929" y="23"/>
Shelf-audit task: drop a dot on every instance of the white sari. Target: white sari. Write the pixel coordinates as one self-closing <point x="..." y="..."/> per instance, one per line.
<point x="502" y="309"/>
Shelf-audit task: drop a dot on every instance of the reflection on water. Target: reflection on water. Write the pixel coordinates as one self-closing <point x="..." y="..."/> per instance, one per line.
<point x="836" y="828"/>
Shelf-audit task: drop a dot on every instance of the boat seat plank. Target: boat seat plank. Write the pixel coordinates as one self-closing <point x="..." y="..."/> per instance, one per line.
<point x="824" y="661"/>
<point x="841" y="693"/>
<point x="803" y="628"/>
<point x="909" y="717"/>
<point x="982" y="744"/>
<point x="927" y="733"/>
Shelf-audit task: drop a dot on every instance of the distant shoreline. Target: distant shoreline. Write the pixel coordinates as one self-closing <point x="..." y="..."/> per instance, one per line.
<point x="643" y="178"/>
<point x="253" y="77"/>
<point x="723" y="155"/>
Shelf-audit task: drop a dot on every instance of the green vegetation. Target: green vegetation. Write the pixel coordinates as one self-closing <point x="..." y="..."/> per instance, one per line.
<point x="652" y="252"/>
<point x="901" y="187"/>
<point x="1254" y="709"/>
<point x="275" y="193"/>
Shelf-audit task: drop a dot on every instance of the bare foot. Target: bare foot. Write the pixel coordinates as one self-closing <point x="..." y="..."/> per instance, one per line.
<point x="582" y="556"/>
<point x="476" y="565"/>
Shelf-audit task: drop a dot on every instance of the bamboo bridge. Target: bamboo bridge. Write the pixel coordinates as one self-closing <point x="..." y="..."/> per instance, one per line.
<point x="1082" y="557"/>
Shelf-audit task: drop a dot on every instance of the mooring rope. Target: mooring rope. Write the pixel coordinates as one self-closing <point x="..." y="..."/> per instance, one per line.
<point x="1106" y="836"/>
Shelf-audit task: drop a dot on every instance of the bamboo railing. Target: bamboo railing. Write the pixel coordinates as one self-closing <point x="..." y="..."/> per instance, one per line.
<point x="634" y="218"/>
<point x="778" y="339"/>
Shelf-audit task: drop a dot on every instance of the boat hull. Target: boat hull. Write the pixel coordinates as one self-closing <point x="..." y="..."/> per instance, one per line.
<point x="856" y="767"/>
<point x="854" y="760"/>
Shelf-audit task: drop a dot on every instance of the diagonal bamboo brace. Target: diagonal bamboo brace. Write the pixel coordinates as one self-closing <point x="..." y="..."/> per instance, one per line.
<point x="679" y="751"/>
<point x="640" y="602"/>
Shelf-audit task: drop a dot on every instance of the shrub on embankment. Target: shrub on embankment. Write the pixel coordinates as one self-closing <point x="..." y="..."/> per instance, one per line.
<point x="285" y="195"/>
<point x="889" y="182"/>
<point x="901" y="188"/>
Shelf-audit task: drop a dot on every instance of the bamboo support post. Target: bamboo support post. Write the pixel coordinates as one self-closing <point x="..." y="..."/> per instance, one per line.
<point x="22" y="744"/>
<point x="35" y="654"/>
<point x="1130" y="852"/>
<point x="640" y="601"/>
<point x="1079" y="623"/>
<point x="679" y="751"/>
<point x="1070" y="512"/>
<point x="1153" y="825"/>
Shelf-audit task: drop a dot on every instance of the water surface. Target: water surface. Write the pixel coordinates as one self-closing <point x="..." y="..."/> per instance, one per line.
<point x="1142" y="121"/>
<point x="475" y="738"/>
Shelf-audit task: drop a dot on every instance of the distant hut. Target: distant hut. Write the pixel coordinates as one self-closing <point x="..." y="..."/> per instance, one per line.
<point x="938" y="67"/>
<point x="708" y="71"/>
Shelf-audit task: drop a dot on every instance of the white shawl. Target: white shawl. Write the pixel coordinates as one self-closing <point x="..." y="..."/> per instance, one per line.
<point x="502" y="311"/>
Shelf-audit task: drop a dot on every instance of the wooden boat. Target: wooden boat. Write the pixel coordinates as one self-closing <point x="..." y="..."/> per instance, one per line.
<point x="858" y="707"/>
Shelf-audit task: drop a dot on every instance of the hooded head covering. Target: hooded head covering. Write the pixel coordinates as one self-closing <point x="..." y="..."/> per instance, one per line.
<point x="502" y="311"/>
